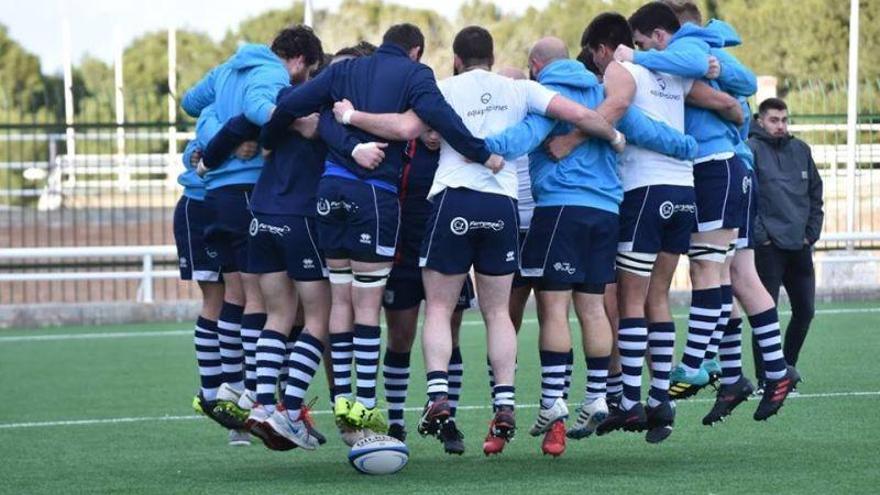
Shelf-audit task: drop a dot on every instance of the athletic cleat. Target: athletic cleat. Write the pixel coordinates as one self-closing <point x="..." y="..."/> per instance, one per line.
<point x="589" y="417"/>
<point x="341" y="408"/>
<point x="297" y="431"/>
<point x="759" y="390"/>
<point x="239" y="438"/>
<point x="775" y="393"/>
<point x="227" y="405"/>
<point x="501" y="430"/>
<point x="397" y="431"/>
<point x="206" y="408"/>
<point x="660" y="421"/>
<point x="554" y="439"/>
<point x="361" y="417"/>
<point x="436" y="413"/>
<point x="547" y="417"/>
<point x="633" y="419"/>
<point x="683" y="386"/>
<point x="713" y="368"/>
<point x="728" y="398"/>
<point x="256" y="425"/>
<point x="306" y="415"/>
<point x="452" y="438"/>
<point x="247" y="400"/>
<point x="613" y="400"/>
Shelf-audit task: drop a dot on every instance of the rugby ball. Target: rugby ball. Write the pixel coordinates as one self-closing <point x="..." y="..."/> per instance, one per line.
<point x="378" y="454"/>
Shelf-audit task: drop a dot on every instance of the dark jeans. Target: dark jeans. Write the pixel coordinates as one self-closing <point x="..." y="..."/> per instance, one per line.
<point x="793" y="270"/>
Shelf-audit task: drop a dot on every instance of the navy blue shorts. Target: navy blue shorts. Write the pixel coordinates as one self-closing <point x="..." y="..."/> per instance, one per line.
<point x="469" y="228"/>
<point x="405" y="290"/>
<point x="746" y="237"/>
<point x="518" y="279"/>
<point x="722" y="189"/>
<point x="356" y="220"/>
<point x="226" y="232"/>
<point x="657" y="218"/>
<point x="195" y="260"/>
<point x="571" y="246"/>
<point x="285" y="243"/>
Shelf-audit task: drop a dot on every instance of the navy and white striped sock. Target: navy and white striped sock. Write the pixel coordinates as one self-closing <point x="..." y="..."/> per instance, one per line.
<point x="505" y="396"/>
<point x="569" y="367"/>
<point x="765" y="329"/>
<point x="552" y="377"/>
<point x="718" y="333"/>
<point x="342" y="350"/>
<point x="251" y="326"/>
<point x="597" y="378"/>
<point x="208" y="357"/>
<point x="395" y="371"/>
<point x="705" y="311"/>
<point x="367" y="342"/>
<point x="231" y="350"/>
<point x="304" y="361"/>
<point x="456" y="372"/>
<point x="295" y="331"/>
<point x="615" y="384"/>
<point x="661" y="344"/>
<point x="272" y="353"/>
<point x="438" y="384"/>
<point x="730" y="352"/>
<point x="632" y="341"/>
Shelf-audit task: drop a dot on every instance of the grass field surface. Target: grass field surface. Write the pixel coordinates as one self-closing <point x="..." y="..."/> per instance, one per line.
<point x="107" y="410"/>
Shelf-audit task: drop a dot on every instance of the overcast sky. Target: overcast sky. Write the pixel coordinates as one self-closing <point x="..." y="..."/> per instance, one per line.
<point x="36" y="24"/>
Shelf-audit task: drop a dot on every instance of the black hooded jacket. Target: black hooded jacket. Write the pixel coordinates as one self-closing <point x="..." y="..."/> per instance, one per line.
<point x="789" y="191"/>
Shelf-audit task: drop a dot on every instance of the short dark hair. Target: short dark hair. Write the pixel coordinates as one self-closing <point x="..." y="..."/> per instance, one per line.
<point x="609" y="29"/>
<point x="654" y="15"/>
<point x="362" y="49"/>
<point x="406" y="36"/>
<point x="298" y="40"/>
<point x="772" y="104"/>
<point x="586" y="58"/>
<point x="474" y="46"/>
<point x="686" y="11"/>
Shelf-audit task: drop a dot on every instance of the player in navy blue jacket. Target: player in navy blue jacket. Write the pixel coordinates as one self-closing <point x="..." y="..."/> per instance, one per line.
<point x="357" y="206"/>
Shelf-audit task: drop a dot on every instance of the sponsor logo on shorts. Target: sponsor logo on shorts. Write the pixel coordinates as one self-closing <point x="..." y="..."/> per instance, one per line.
<point x="323" y="207"/>
<point x="461" y="226"/>
<point x="183" y="262"/>
<point x="388" y="296"/>
<point x="747" y="184"/>
<point x="366" y="238"/>
<point x="668" y="208"/>
<point x="510" y="256"/>
<point x="308" y="264"/>
<point x="211" y="253"/>
<point x="564" y="266"/>
<point x="257" y="227"/>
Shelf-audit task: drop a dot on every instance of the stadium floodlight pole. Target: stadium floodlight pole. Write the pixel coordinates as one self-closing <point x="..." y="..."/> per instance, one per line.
<point x="852" y="109"/>
<point x="308" y="16"/>
<point x="171" y="167"/>
<point x="124" y="174"/>
<point x="68" y="96"/>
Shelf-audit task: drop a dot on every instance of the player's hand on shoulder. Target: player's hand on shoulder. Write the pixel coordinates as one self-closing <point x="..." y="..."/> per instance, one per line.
<point x="342" y="111"/>
<point x="714" y="68"/>
<point x="247" y="150"/>
<point x="560" y="147"/>
<point x="369" y="155"/>
<point x="195" y="158"/>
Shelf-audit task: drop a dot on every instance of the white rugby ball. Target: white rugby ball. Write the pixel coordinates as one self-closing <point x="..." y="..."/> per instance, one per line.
<point x="378" y="454"/>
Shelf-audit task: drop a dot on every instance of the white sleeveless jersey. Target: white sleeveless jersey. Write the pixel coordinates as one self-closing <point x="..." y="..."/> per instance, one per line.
<point x="661" y="97"/>
<point x="487" y="104"/>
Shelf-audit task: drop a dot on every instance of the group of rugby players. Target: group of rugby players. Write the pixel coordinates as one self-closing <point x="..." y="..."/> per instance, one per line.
<point x="317" y="193"/>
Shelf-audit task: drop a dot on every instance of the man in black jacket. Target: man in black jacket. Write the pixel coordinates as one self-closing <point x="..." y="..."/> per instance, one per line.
<point x="789" y="219"/>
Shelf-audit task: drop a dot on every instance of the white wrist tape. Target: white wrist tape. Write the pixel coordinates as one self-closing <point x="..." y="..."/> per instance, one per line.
<point x="618" y="138"/>
<point x="346" y="117"/>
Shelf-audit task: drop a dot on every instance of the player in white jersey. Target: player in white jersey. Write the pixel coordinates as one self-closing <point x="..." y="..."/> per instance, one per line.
<point x="657" y="216"/>
<point x="474" y="222"/>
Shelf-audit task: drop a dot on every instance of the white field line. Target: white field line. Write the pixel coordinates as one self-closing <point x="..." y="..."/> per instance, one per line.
<point x="149" y="419"/>
<point x="175" y="333"/>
